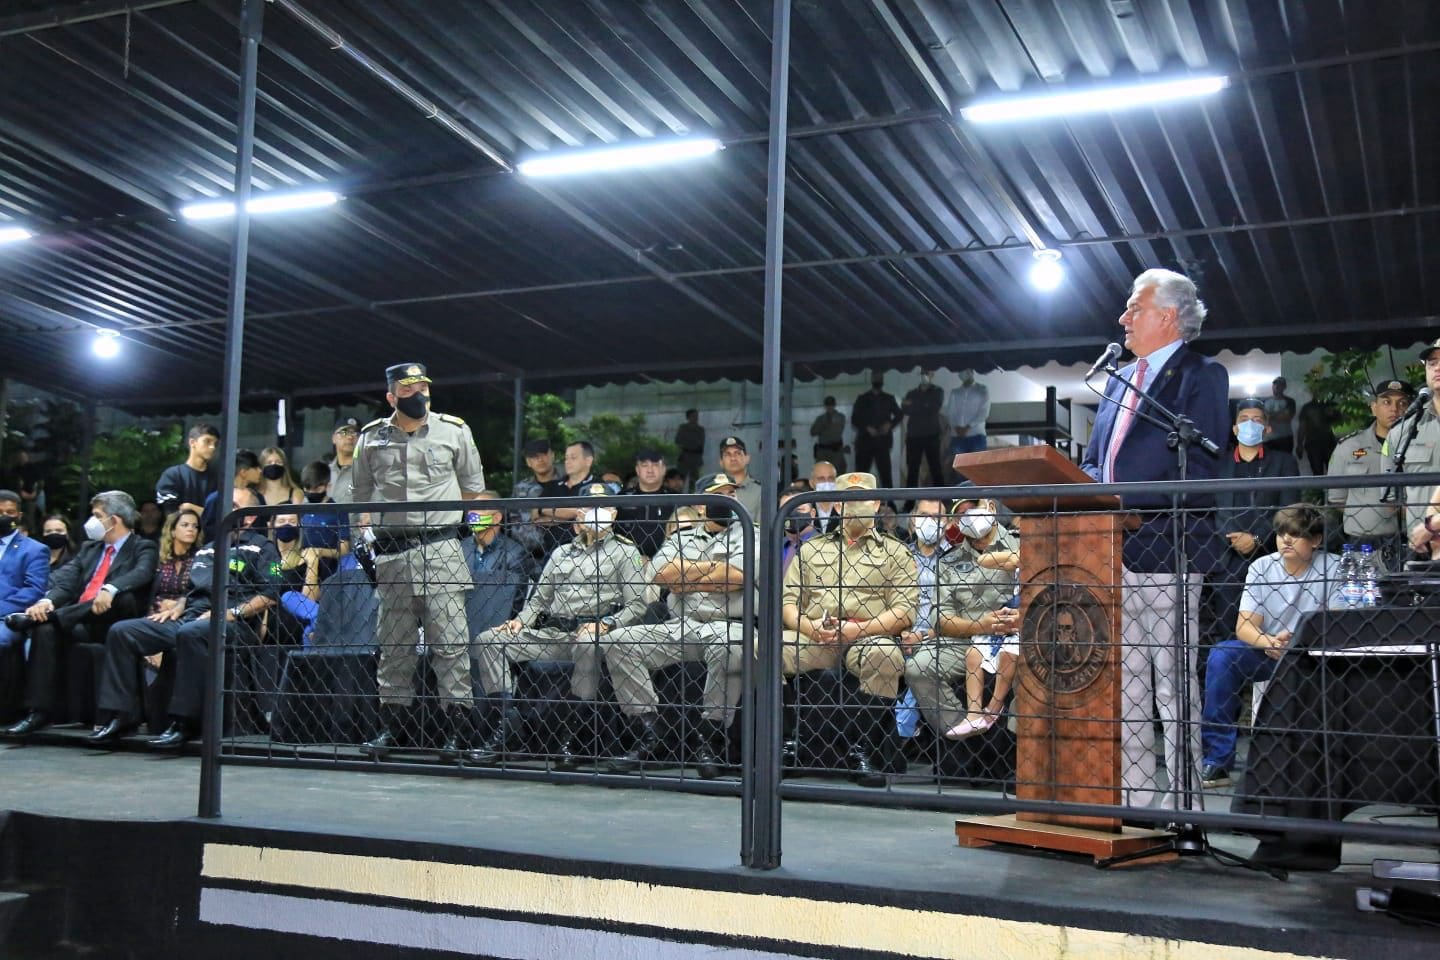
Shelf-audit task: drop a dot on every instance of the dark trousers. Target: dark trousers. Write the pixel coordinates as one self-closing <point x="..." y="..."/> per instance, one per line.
<point x="50" y="644"/>
<point x="874" y="450"/>
<point x="119" y="686"/>
<point x="834" y="455"/>
<point x="927" y="448"/>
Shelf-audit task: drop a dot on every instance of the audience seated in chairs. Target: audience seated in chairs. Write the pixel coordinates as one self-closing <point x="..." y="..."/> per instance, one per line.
<point x="1280" y="587"/>
<point x="254" y="588"/>
<point x="107" y="581"/>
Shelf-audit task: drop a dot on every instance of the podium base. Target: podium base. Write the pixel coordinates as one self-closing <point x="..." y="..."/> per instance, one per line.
<point x="1129" y="844"/>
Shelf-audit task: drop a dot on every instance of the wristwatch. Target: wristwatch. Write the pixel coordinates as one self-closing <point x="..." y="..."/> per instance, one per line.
<point x="608" y="622"/>
<point x="238" y="612"/>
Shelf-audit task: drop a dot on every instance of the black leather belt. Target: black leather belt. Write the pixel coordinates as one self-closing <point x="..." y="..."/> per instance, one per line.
<point x="388" y="541"/>
<point x="571" y="624"/>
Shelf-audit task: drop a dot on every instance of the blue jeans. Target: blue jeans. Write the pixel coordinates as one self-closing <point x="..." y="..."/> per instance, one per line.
<point x="974" y="443"/>
<point x="1232" y="663"/>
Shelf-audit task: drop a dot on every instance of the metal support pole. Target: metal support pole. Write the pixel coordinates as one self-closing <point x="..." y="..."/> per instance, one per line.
<point x="252" y="13"/>
<point x="764" y="847"/>
<point x="519" y="431"/>
<point x="787" y="416"/>
<point x="87" y="460"/>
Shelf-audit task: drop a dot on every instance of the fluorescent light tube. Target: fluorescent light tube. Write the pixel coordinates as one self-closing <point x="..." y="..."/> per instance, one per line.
<point x="13" y="234"/>
<point x="265" y="203"/>
<point x="1098" y="100"/>
<point x="618" y="158"/>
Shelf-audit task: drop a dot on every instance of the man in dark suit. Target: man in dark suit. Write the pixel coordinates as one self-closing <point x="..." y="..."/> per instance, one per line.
<point x="24" y="573"/>
<point x="107" y="580"/>
<point x="1163" y="314"/>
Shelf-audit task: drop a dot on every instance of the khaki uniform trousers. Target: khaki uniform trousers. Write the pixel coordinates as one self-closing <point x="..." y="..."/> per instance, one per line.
<point x="633" y="654"/>
<point x="497" y="650"/>
<point x="877" y="662"/>
<point x="930" y="671"/>
<point x="425" y="584"/>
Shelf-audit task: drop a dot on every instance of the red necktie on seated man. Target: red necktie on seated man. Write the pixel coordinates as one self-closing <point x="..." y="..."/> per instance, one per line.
<point x="92" y="589"/>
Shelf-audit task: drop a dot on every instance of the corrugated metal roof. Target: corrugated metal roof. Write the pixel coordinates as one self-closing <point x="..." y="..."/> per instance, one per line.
<point x="1302" y="198"/>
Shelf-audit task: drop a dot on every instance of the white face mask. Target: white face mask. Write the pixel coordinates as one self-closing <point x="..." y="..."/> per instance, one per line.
<point x="95" y="528"/>
<point x="927" y="528"/>
<point x="976" y="526"/>
<point x="596" y="519"/>
<point x="1250" y="432"/>
<point x="825" y="485"/>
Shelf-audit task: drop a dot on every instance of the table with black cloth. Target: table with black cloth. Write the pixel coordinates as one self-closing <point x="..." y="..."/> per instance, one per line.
<point x="1336" y="732"/>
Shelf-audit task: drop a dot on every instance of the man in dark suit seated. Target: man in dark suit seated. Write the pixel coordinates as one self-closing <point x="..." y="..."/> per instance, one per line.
<point x="106" y="581"/>
<point x="1162" y="315"/>
<point x="24" y="567"/>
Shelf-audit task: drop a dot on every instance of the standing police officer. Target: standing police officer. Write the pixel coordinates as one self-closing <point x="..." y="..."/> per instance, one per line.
<point x="411" y="457"/>
<point x="1368" y="517"/>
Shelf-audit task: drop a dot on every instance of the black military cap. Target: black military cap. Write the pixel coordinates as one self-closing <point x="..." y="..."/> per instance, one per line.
<point x="406" y="373"/>
<point x="534" y="448"/>
<point x="1392" y="386"/>
<point x="596" y="489"/>
<point x="346" y="423"/>
<point x="649" y="455"/>
<point x="733" y="442"/>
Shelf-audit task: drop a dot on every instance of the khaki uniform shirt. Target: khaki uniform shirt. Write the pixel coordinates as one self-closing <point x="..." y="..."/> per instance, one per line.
<point x="970" y="591"/>
<point x="437" y="462"/>
<point x="1423" y="456"/>
<point x="589" y="582"/>
<point x="852" y="581"/>
<point x="829" y="429"/>
<point x="1357" y="455"/>
<point x="748" y="493"/>
<point x="342" y="482"/>
<point x="728" y="547"/>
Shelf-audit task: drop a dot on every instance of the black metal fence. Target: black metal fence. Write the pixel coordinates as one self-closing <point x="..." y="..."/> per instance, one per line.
<point x="1046" y="659"/>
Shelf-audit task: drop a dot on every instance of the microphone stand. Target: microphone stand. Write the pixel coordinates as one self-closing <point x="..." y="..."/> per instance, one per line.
<point x="1182" y="432"/>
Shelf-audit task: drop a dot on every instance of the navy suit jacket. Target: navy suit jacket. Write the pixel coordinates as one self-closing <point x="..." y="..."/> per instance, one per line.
<point x="1198" y="388"/>
<point x="24" y="574"/>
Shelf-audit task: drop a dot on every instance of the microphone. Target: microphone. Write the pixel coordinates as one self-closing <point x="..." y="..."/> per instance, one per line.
<point x="1421" y="398"/>
<point x="1111" y="354"/>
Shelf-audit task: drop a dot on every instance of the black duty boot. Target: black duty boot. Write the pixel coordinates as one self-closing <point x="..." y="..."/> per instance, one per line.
<point x="455" y="725"/>
<point x="711" y="738"/>
<point x="864" y="728"/>
<point x="576" y="717"/>
<point x="645" y="749"/>
<point x="387" y="739"/>
<point x="504" y="735"/>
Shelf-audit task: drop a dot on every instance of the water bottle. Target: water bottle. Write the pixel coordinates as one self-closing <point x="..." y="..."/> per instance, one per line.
<point x="1369" y="577"/>
<point x="1352" y="591"/>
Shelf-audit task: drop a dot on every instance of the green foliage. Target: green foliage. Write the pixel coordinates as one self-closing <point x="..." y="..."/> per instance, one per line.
<point x="545" y="415"/>
<point x="1342" y="380"/>
<point x="131" y="459"/>
<point x="617" y="440"/>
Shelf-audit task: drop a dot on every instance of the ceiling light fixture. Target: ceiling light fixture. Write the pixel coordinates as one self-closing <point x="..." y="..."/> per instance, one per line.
<point x="619" y="158"/>
<point x="13" y="234"/>
<point x="265" y="203"/>
<point x="106" y="343"/>
<point x="1047" y="274"/>
<point x="1099" y="100"/>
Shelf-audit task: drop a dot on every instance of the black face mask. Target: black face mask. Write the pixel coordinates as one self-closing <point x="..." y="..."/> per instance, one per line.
<point x="797" y="525"/>
<point x="719" y="513"/>
<point x="272" y="471"/>
<point x="287" y="534"/>
<point x="315" y="496"/>
<point x="55" y="541"/>
<point x="7" y="525"/>
<point x="413" y="406"/>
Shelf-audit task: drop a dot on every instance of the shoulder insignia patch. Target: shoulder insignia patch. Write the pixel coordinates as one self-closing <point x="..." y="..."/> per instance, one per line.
<point x="373" y="423"/>
<point x="449" y="418"/>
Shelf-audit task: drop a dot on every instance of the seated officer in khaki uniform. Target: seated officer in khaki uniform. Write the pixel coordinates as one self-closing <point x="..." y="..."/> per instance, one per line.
<point x="848" y="595"/>
<point x="977" y="587"/>
<point x="705" y="575"/>
<point x="590" y="586"/>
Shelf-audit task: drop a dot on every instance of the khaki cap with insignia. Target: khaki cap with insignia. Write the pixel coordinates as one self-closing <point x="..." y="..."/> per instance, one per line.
<point x="855" y="481"/>
<point x="712" y="483"/>
<point x="402" y="374"/>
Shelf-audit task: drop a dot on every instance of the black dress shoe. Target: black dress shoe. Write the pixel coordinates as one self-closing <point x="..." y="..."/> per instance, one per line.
<point x="568" y="758"/>
<point x="32" y="722"/>
<point x="110" y="734"/>
<point x="18" y="622"/>
<point x="173" y="739"/>
<point x="862" y="768"/>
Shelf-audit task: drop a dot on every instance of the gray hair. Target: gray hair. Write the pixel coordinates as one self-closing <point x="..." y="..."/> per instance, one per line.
<point x="118" y="504"/>
<point x="1175" y="290"/>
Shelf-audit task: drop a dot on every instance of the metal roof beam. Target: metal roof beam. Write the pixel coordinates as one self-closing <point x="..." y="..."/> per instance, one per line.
<point x="69" y="14"/>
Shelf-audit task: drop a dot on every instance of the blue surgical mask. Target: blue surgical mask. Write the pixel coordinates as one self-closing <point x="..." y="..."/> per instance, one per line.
<point x="1250" y="432"/>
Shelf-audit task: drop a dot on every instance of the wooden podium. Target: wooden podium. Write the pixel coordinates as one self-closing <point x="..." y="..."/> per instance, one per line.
<point x="1068" y="690"/>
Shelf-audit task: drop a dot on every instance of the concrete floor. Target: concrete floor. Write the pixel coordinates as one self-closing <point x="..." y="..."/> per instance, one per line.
<point x="823" y="843"/>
